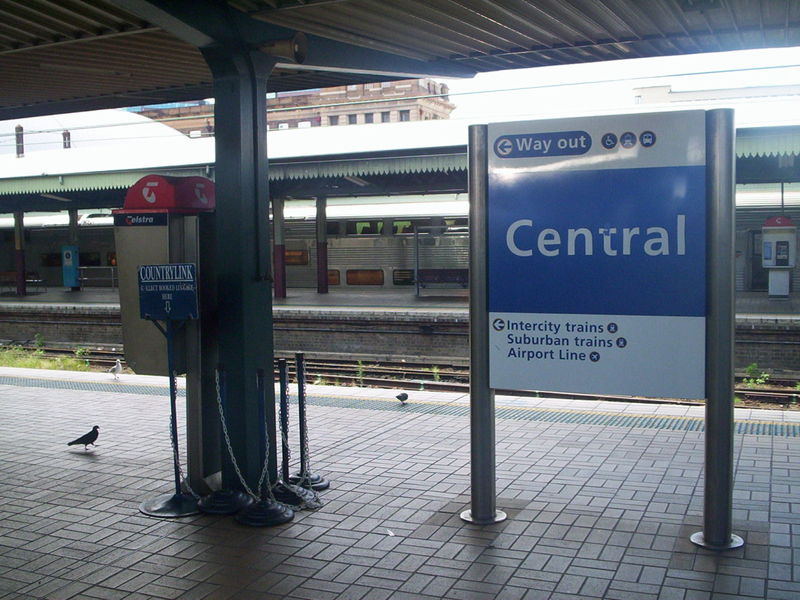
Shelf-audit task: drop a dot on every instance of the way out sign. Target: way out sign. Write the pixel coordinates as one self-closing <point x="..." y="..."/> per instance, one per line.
<point x="597" y="255"/>
<point x="168" y="292"/>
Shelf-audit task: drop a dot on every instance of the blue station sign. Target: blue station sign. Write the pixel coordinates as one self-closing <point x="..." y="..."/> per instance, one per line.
<point x="168" y="292"/>
<point x="597" y="255"/>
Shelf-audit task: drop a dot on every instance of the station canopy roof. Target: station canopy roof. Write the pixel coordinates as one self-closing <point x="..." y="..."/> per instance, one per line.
<point x="409" y="157"/>
<point x="71" y="55"/>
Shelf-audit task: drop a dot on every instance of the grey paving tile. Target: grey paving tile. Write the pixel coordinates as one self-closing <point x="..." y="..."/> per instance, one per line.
<point x="596" y="512"/>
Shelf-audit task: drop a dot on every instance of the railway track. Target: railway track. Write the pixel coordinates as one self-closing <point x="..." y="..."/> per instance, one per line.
<point x="411" y="376"/>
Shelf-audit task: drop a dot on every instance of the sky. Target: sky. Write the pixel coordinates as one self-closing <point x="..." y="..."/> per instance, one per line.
<point x="608" y="87"/>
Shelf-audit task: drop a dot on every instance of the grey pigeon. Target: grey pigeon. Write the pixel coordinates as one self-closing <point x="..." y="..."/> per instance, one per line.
<point x="86" y="439"/>
<point x="116" y="369"/>
<point x="402" y="396"/>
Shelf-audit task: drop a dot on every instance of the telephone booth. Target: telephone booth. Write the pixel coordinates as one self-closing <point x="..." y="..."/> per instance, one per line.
<point x="170" y="220"/>
<point x="779" y="254"/>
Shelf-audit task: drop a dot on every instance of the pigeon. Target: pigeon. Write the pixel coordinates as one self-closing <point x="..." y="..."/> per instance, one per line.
<point x="116" y="369"/>
<point x="86" y="439"/>
<point x="402" y="396"/>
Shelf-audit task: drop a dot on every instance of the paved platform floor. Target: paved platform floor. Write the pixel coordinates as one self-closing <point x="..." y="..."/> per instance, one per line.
<point x="600" y="505"/>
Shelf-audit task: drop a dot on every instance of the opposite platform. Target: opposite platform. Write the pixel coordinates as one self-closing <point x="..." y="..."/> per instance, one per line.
<point x="596" y="509"/>
<point x="368" y="325"/>
<point x="747" y="303"/>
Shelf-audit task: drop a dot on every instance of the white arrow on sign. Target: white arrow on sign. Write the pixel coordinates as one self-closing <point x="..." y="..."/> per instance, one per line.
<point x="503" y="146"/>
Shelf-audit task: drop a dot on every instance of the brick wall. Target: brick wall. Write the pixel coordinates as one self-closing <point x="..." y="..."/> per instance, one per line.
<point x="414" y="337"/>
<point x="772" y="344"/>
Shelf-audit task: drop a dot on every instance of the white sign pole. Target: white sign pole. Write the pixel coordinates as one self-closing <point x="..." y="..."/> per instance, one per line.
<point x="482" y="427"/>
<point x="717" y="516"/>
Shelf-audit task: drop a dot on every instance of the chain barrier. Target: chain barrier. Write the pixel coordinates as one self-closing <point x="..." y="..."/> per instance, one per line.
<point x="304" y="470"/>
<point x="230" y="448"/>
<point x="304" y="476"/>
<point x="173" y="427"/>
<point x="302" y="498"/>
<point x="284" y="407"/>
<point x="300" y="372"/>
<point x="312" y="504"/>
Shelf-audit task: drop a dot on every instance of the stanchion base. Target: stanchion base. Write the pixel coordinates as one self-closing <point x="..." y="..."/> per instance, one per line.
<point x="170" y="507"/>
<point x="499" y="516"/>
<point x="224" y="502"/>
<point x="311" y="481"/>
<point x="700" y="540"/>
<point x="294" y="495"/>
<point x="265" y="513"/>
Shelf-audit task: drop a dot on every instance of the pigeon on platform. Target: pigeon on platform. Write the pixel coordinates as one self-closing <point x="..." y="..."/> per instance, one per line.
<point x="86" y="439"/>
<point x="116" y="369"/>
<point x="402" y="396"/>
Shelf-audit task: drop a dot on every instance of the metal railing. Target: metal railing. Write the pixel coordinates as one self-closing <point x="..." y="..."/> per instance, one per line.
<point x="98" y="277"/>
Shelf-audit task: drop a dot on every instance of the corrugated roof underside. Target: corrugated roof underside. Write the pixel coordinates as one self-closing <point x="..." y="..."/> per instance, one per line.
<point x="501" y="34"/>
<point x="79" y="54"/>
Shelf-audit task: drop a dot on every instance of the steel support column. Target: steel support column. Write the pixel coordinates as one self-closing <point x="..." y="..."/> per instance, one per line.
<point x="73" y="239"/>
<point x="244" y="300"/>
<point x="322" y="245"/>
<point x="19" y="251"/>
<point x="73" y="226"/>
<point x="279" y="259"/>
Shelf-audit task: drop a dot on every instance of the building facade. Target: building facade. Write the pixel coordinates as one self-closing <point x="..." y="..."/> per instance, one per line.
<point x="367" y="103"/>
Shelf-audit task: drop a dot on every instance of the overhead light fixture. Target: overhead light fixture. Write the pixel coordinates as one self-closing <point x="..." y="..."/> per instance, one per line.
<point x="357" y="180"/>
<point x="294" y="48"/>
<point x="54" y="197"/>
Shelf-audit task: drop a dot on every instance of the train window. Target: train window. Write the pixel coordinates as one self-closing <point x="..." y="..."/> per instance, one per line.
<point x="364" y="227"/>
<point x="364" y="277"/>
<point x="333" y="277"/>
<point x="332" y="227"/>
<point x="51" y="259"/>
<point x="403" y="277"/>
<point x="296" y="257"/>
<point x="402" y="227"/>
<point x="422" y="223"/>
<point x="89" y="259"/>
<point x="459" y="222"/>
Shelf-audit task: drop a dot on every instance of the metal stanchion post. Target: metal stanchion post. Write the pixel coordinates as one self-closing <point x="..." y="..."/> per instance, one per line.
<point x="283" y="377"/>
<point x="266" y="511"/>
<point x="178" y="504"/>
<point x="305" y="478"/>
<point x="284" y="490"/>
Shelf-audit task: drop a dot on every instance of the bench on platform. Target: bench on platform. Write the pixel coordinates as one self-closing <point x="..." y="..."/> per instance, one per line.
<point x="443" y="278"/>
<point x="8" y="279"/>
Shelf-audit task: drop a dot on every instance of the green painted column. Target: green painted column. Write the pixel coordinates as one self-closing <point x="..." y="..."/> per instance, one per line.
<point x="243" y="320"/>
